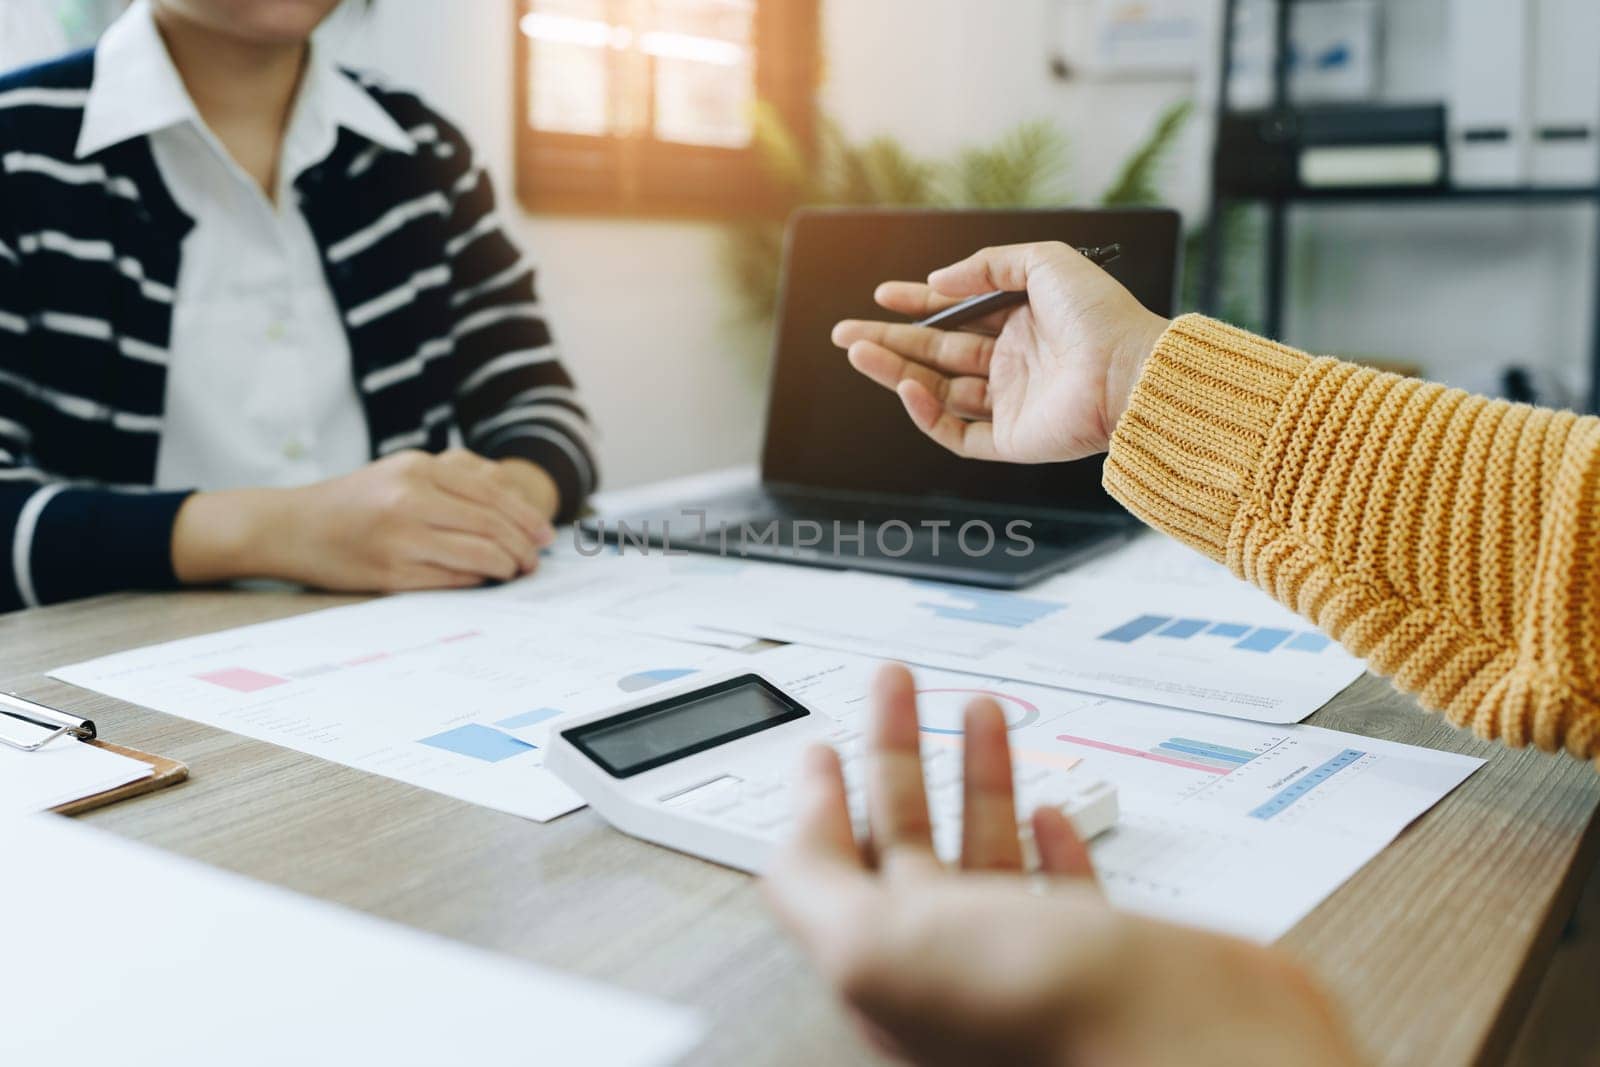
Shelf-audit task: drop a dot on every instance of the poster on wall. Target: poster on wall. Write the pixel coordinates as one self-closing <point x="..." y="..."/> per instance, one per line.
<point x="1144" y="37"/>
<point x="1334" y="51"/>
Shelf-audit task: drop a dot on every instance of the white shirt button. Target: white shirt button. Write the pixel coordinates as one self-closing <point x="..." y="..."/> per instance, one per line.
<point x="294" y="450"/>
<point x="277" y="331"/>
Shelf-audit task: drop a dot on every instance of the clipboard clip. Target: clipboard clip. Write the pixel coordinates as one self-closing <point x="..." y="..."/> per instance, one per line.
<point x="15" y="710"/>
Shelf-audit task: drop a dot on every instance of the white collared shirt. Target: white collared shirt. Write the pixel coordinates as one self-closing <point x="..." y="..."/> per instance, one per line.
<point x="260" y="390"/>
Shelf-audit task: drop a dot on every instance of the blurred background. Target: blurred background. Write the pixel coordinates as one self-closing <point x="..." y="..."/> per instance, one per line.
<point x="1412" y="183"/>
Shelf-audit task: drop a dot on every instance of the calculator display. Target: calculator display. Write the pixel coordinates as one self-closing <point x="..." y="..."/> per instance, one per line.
<point x="645" y="738"/>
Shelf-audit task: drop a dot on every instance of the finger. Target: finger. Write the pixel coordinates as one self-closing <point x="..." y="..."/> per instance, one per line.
<point x="817" y="877"/>
<point x="466" y="553"/>
<point x="972" y="440"/>
<point x="966" y="397"/>
<point x="420" y="576"/>
<point x="897" y="801"/>
<point x="989" y="840"/>
<point x="483" y="482"/>
<point x="947" y="351"/>
<point x="917" y="300"/>
<point x="823" y="830"/>
<point x="1008" y="267"/>
<point x="1061" y="851"/>
<point x="447" y="511"/>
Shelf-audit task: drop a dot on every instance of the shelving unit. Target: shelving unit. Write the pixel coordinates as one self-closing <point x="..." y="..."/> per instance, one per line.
<point x="1277" y="206"/>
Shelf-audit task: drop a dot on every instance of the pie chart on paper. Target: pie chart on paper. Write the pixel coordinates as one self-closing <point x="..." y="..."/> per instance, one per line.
<point x="633" y="683"/>
<point x="942" y="711"/>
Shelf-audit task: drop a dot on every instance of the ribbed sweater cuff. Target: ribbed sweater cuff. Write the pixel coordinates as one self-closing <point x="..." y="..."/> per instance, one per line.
<point x="1185" y="454"/>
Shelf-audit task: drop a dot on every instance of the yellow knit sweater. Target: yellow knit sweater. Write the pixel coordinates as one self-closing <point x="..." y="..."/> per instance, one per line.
<point x="1451" y="541"/>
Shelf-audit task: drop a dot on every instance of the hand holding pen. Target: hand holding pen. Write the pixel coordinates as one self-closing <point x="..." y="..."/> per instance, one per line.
<point x="1052" y="382"/>
<point x="978" y="308"/>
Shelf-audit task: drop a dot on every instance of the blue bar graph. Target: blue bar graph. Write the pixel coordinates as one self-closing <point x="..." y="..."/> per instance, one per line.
<point x="1228" y="629"/>
<point x="1204" y="748"/>
<point x="479" y="742"/>
<point x="991" y="609"/>
<point x="1263" y="639"/>
<point x="1129" y="632"/>
<point x="1189" y="755"/>
<point x="1182" y="629"/>
<point x="1309" y="643"/>
<point x="1305" y="784"/>
<point x="529" y="718"/>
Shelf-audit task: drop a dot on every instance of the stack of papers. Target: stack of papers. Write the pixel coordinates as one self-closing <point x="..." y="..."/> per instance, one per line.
<point x="61" y="772"/>
<point x="119" y="954"/>
<point x="1174" y="680"/>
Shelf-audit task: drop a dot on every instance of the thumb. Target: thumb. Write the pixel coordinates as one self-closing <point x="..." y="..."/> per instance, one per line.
<point x="1007" y="267"/>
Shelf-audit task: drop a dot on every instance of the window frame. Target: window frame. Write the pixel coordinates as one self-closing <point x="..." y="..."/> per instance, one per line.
<point x="610" y="175"/>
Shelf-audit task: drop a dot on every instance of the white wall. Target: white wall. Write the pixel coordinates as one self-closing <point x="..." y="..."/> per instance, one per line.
<point x="675" y="382"/>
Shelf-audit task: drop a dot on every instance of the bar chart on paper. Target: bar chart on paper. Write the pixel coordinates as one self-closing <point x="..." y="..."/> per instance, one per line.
<point x="1010" y="610"/>
<point x="1228" y="650"/>
<point x="402" y="688"/>
<point x="249" y="680"/>
<point x="1250" y="771"/>
<point x="1227" y="824"/>
<point x="1177" y="752"/>
<point x="1240" y="635"/>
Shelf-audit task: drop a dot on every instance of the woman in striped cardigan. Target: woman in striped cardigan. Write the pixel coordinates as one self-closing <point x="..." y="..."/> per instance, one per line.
<point x="245" y="300"/>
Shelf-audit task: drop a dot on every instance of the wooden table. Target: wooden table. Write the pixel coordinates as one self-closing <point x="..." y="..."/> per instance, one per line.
<point x="1434" y="950"/>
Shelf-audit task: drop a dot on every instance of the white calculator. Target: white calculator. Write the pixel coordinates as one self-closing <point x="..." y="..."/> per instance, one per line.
<point x="708" y="769"/>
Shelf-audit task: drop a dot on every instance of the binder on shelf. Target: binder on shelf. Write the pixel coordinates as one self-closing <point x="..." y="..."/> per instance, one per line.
<point x="31" y="731"/>
<point x="1489" y="91"/>
<point x="1281" y="154"/>
<point x="1565" y="79"/>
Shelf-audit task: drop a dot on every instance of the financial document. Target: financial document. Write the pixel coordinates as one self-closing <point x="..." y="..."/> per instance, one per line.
<point x="120" y="954"/>
<point x="1218" y="645"/>
<point x="1234" y="826"/>
<point x="629" y="591"/>
<point x="424" y="689"/>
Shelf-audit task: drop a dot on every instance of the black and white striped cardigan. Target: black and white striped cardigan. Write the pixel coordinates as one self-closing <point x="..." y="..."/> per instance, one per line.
<point x="440" y="309"/>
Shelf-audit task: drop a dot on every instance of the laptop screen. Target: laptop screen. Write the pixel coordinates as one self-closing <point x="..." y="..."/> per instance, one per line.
<point x="830" y="429"/>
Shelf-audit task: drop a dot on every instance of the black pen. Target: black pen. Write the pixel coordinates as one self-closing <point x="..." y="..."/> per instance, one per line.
<point x="979" y="307"/>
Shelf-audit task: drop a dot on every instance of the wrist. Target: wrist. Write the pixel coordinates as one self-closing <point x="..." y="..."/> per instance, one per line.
<point x="535" y="484"/>
<point x="225" y="536"/>
<point x="1138" y="345"/>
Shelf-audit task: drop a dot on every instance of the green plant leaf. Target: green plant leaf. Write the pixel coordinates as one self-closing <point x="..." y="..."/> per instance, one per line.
<point x="895" y="176"/>
<point x="1024" y="168"/>
<point x="1139" y="181"/>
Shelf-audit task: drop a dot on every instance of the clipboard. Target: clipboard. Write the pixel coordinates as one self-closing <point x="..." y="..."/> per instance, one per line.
<point x="28" y="727"/>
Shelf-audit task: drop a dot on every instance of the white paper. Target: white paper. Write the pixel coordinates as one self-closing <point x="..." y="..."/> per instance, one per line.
<point x="1222" y="647"/>
<point x="421" y="689"/>
<point x="62" y="771"/>
<point x="1233" y="826"/>
<point x="627" y="590"/>
<point x="1149" y="557"/>
<point x="120" y="954"/>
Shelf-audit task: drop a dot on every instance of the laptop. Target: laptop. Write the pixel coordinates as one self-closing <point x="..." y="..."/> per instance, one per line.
<point x="847" y="481"/>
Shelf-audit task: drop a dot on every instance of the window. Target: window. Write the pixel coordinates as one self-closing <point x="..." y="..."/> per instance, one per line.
<point x="649" y="106"/>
